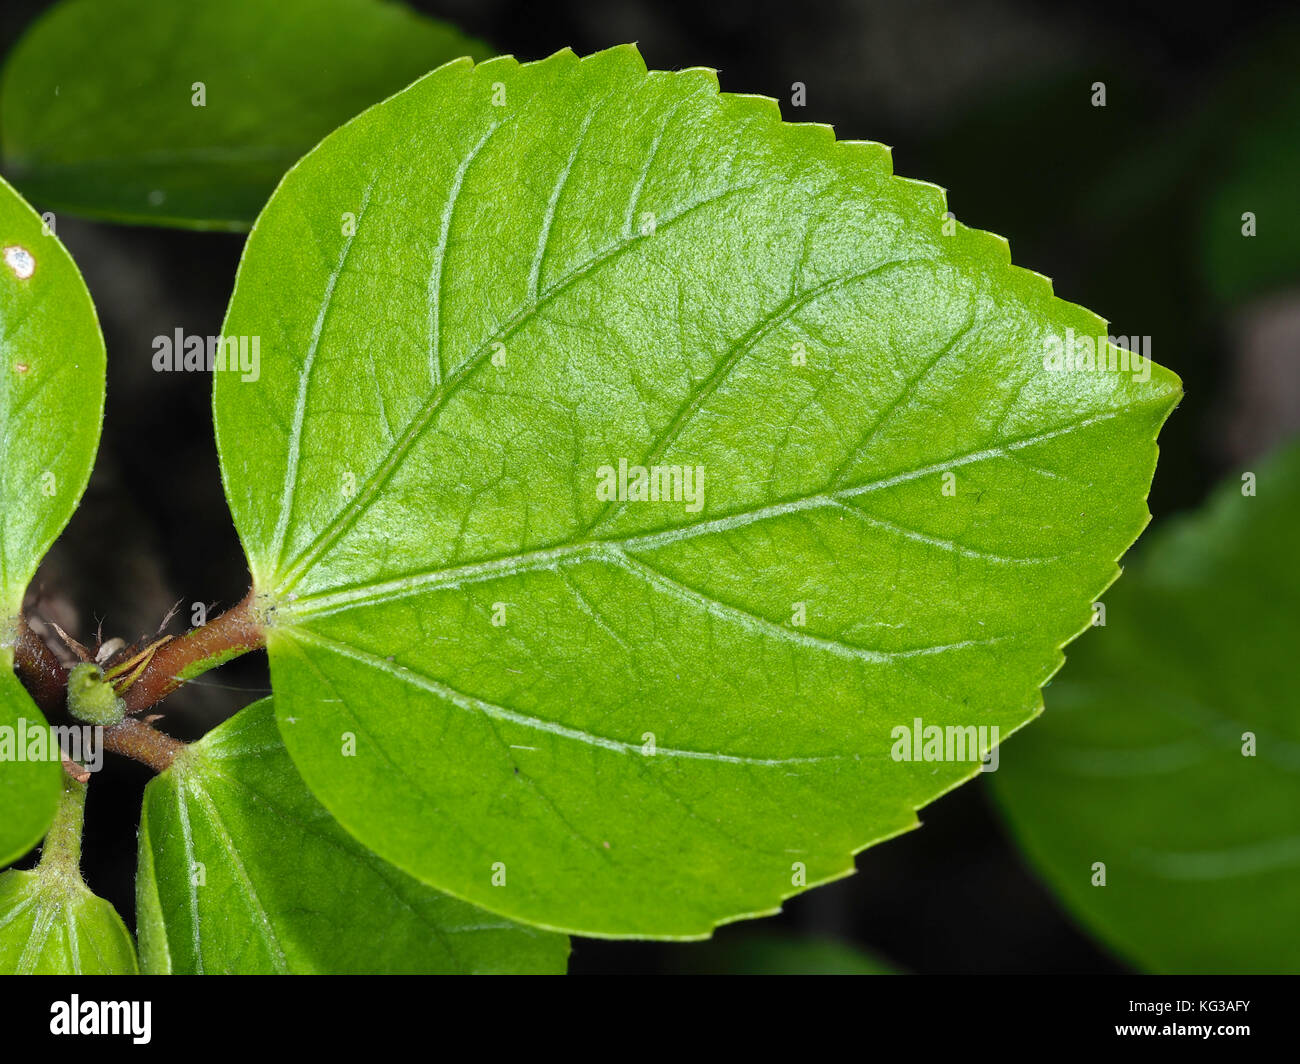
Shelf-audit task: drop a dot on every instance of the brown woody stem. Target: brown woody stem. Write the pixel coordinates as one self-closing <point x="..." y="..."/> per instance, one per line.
<point x="138" y="740"/>
<point x="39" y="670"/>
<point x="235" y="632"/>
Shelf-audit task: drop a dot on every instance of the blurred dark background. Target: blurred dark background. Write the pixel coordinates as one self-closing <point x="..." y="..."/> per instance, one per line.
<point x="991" y="99"/>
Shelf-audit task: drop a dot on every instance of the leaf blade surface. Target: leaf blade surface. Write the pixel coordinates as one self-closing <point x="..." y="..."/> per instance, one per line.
<point x="620" y="705"/>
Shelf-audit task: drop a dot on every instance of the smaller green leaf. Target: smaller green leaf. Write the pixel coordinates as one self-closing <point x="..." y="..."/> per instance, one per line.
<point x="51" y="395"/>
<point x="51" y="404"/>
<point x="242" y="870"/>
<point x="187" y="114"/>
<point x="50" y="922"/>
<point x="29" y="786"/>
<point x="57" y="927"/>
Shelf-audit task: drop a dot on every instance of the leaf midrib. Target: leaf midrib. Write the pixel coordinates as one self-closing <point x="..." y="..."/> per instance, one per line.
<point x="189" y="785"/>
<point x="325" y="602"/>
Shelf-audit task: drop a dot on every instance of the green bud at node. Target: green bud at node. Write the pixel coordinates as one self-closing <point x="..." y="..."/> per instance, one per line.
<point x="91" y="698"/>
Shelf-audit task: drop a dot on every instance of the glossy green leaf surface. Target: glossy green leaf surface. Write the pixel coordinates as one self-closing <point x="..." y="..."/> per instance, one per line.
<point x="51" y="407"/>
<point x="50" y="922"/>
<point x="188" y="114"/>
<point x="241" y="870"/>
<point x="1145" y="761"/>
<point x="627" y="717"/>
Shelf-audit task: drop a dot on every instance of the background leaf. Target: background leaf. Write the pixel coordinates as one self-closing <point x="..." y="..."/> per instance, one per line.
<point x="769" y="954"/>
<point x="1138" y="762"/>
<point x="241" y="870"/>
<point x="461" y="322"/>
<point x="97" y="104"/>
<point x="51" y="407"/>
<point x="1240" y="268"/>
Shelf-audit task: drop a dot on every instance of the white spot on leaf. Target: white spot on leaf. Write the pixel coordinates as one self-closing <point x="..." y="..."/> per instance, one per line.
<point x="20" y="261"/>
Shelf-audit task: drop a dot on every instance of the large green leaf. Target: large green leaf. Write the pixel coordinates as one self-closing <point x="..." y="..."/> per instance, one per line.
<point x="1141" y="764"/>
<point x="51" y="407"/>
<point x="607" y="717"/>
<point x="50" y="922"/>
<point x="241" y="870"/>
<point x="99" y="112"/>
